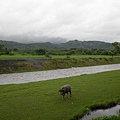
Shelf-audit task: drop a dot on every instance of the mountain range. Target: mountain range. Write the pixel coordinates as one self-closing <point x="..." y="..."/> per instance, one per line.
<point x="66" y="45"/>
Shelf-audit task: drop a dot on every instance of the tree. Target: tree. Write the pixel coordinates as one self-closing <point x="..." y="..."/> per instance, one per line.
<point x="116" y="47"/>
<point x="1" y="49"/>
<point x="40" y="51"/>
<point x="6" y="51"/>
<point x="112" y="53"/>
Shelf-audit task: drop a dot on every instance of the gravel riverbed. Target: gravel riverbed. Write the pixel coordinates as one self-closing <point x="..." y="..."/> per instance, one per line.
<point x="18" y="78"/>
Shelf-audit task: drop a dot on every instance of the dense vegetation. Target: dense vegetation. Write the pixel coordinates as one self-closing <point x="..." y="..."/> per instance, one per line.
<point x="41" y="100"/>
<point x="99" y="48"/>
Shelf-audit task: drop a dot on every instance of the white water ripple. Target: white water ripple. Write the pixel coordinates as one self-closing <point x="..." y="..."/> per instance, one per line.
<point x="18" y="78"/>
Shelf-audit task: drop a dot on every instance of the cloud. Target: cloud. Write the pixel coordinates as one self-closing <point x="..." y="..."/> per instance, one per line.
<point x="70" y="19"/>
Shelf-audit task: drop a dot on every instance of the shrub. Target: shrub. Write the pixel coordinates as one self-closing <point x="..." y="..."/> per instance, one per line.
<point x="23" y="66"/>
<point x="48" y="55"/>
<point x="11" y="53"/>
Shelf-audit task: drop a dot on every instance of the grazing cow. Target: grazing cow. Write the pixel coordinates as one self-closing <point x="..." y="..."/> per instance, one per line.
<point x="65" y="89"/>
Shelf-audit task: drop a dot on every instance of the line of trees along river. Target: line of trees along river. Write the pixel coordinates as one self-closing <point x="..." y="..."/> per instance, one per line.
<point x="70" y="51"/>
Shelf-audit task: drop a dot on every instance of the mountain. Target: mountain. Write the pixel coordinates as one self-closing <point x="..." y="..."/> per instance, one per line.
<point x="87" y="44"/>
<point x="66" y="45"/>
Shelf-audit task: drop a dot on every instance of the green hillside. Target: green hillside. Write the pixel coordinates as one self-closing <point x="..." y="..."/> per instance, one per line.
<point x="67" y="45"/>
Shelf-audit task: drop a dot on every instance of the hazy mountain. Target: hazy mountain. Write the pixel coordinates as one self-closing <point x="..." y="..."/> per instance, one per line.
<point x="86" y="44"/>
<point x="36" y="39"/>
<point x="66" y="45"/>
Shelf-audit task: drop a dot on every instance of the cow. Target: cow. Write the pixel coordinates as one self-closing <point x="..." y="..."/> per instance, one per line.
<point x="65" y="89"/>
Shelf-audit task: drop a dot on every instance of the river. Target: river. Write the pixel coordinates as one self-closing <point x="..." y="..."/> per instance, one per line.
<point x="18" y="78"/>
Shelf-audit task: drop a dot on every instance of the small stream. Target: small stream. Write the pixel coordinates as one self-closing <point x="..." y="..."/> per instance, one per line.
<point x="101" y="112"/>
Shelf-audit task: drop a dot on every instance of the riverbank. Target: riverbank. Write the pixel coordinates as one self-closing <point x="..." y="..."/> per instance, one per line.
<point x="18" y="78"/>
<point x="29" y="65"/>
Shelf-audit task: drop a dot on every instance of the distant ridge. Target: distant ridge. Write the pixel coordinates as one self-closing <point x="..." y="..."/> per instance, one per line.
<point x="66" y="45"/>
<point x="87" y="44"/>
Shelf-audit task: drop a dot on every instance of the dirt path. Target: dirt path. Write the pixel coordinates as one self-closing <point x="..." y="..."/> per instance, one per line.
<point x="17" y="78"/>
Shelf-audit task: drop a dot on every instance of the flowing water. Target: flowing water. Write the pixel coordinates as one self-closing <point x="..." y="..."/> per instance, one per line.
<point x="17" y="78"/>
<point x="101" y="112"/>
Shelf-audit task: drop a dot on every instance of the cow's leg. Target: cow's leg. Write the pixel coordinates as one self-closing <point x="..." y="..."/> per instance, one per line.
<point x="67" y="94"/>
<point x="70" y="93"/>
<point x="63" y="96"/>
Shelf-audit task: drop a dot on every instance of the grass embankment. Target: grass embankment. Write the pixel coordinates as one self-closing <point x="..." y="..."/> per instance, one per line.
<point x="75" y="62"/>
<point x="4" y="57"/>
<point x="19" y="64"/>
<point x="52" y="56"/>
<point x="41" y="100"/>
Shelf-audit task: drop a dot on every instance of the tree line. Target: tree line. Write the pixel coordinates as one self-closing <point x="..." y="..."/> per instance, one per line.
<point x="72" y="51"/>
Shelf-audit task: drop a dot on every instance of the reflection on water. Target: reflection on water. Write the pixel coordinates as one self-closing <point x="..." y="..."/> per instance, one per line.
<point x="101" y="112"/>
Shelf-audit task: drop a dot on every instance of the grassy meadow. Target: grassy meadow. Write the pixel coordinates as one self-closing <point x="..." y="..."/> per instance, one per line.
<point x="41" y="100"/>
<point x="18" y="56"/>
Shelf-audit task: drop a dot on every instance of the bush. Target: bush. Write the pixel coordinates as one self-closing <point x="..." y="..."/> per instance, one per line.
<point x="48" y="55"/>
<point x="11" y="53"/>
<point x="23" y="66"/>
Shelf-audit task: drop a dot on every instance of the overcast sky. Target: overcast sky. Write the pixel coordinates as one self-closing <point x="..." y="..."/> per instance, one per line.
<point x="70" y="19"/>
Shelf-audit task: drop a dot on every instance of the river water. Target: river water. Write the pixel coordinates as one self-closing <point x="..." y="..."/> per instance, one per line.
<point x="18" y="78"/>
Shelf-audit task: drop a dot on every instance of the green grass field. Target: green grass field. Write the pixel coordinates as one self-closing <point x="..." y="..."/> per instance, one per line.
<point x="52" y="56"/>
<point x="41" y="100"/>
<point x="20" y="56"/>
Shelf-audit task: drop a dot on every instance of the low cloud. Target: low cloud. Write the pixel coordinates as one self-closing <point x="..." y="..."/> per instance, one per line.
<point x="70" y="19"/>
